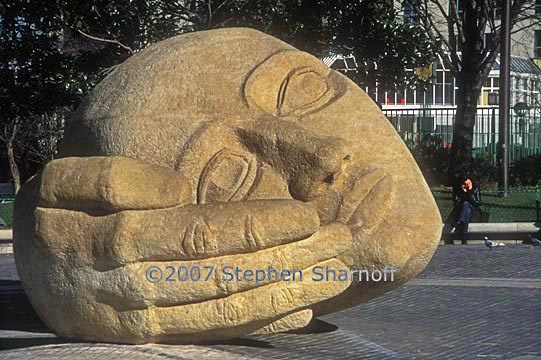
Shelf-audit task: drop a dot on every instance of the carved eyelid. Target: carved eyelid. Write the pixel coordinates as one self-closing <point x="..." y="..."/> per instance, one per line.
<point x="267" y="86"/>
<point x="307" y="107"/>
<point x="228" y="176"/>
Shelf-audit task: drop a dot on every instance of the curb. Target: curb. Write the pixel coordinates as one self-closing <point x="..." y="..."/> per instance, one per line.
<point x="503" y="228"/>
<point x="6" y="249"/>
<point x="6" y="235"/>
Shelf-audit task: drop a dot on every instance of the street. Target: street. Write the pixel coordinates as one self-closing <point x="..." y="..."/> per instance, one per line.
<point x="470" y="302"/>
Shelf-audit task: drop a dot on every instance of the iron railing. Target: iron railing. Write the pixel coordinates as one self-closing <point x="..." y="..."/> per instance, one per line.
<point x="413" y="124"/>
<point x="522" y="205"/>
<point x="6" y="212"/>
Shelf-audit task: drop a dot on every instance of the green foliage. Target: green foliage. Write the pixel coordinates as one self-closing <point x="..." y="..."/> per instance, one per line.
<point x="6" y="213"/>
<point x="36" y="77"/>
<point x="371" y="30"/>
<point x="432" y="156"/>
<point x="53" y="53"/>
<point x="526" y="171"/>
<point x="484" y="168"/>
<point x="33" y="71"/>
<point x="385" y="45"/>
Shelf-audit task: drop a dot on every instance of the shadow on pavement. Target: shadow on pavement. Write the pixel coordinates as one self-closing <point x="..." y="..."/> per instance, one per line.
<point x="16" y="312"/>
<point x="316" y="326"/>
<point x="17" y="315"/>
<point x="20" y="342"/>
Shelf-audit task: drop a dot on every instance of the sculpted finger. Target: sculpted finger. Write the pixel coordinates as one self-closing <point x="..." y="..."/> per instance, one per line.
<point x="181" y="282"/>
<point x="369" y="199"/>
<point x="244" y="312"/>
<point x="209" y="230"/>
<point x="110" y="183"/>
<point x="180" y="233"/>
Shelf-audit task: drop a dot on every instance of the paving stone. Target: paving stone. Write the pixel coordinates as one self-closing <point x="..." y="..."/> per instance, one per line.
<point x="469" y="303"/>
<point x="510" y="261"/>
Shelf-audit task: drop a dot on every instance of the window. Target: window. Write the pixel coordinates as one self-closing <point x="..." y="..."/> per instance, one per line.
<point x="401" y="97"/>
<point x="420" y="95"/>
<point x="484" y="100"/>
<point x="411" y="13"/>
<point x="537" y="7"/>
<point x="390" y="99"/>
<point x="338" y="64"/>
<point x="449" y="88"/>
<point x="438" y="87"/>
<point x="460" y="6"/>
<point x="410" y="99"/>
<point x="497" y="9"/>
<point x="488" y="39"/>
<point x="350" y="63"/>
<point x="537" y="44"/>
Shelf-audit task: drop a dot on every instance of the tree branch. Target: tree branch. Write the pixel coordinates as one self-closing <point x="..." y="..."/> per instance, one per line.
<point x="109" y="41"/>
<point x="454" y="12"/>
<point x="451" y="43"/>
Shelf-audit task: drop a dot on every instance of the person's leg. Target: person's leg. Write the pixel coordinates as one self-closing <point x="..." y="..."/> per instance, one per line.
<point x="464" y="232"/>
<point x="446" y="233"/>
<point x="464" y="219"/>
<point x="465" y="213"/>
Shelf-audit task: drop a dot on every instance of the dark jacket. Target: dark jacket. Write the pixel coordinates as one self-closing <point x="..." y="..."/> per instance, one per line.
<point x="459" y="197"/>
<point x="472" y="196"/>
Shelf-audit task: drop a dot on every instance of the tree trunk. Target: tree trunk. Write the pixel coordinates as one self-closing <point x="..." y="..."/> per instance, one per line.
<point x="10" y="140"/>
<point x="13" y="166"/>
<point x="460" y="163"/>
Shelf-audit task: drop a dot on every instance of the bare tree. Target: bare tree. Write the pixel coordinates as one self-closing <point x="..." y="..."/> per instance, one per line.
<point x="35" y="139"/>
<point x="8" y="137"/>
<point x="470" y="33"/>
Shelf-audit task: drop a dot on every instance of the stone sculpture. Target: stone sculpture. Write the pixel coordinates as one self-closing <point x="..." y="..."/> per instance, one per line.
<point x="216" y="148"/>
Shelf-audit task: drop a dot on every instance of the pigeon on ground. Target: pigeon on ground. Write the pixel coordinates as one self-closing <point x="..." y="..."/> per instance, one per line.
<point x="490" y="244"/>
<point x="535" y="241"/>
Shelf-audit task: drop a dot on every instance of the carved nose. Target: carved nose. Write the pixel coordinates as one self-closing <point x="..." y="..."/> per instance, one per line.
<point x="306" y="160"/>
<point x="328" y="160"/>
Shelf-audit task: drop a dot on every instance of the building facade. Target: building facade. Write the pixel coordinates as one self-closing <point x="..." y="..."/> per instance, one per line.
<point x="430" y="110"/>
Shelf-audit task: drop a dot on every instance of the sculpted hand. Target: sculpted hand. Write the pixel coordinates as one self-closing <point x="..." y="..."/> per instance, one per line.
<point x="100" y="223"/>
<point x="323" y="171"/>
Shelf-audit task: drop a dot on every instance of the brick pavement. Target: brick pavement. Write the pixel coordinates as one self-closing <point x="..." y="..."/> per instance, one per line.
<point x="469" y="303"/>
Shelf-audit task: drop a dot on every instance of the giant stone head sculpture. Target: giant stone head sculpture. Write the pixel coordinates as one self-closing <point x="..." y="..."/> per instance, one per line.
<point x="223" y="144"/>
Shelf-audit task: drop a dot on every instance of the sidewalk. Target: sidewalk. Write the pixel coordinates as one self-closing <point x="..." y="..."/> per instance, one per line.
<point x="509" y="233"/>
<point x="470" y="302"/>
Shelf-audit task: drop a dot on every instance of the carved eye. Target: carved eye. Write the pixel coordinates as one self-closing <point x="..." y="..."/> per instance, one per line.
<point x="302" y="91"/>
<point x="228" y="176"/>
<point x="290" y="83"/>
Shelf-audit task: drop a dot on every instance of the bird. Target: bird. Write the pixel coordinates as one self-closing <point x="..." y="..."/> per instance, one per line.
<point x="535" y="241"/>
<point x="490" y="244"/>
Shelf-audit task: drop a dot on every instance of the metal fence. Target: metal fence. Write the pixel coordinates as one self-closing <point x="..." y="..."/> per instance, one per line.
<point x="522" y="205"/>
<point x="525" y="131"/>
<point x="6" y="212"/>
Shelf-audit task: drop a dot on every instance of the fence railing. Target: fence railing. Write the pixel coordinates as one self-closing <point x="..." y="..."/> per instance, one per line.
<point x="6" y="212"/>
<point x="522" y="205"/>
<point x="525" y="131"/>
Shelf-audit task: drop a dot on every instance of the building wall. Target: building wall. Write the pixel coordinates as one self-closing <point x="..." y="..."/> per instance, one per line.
<point x="522" y="38"/>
